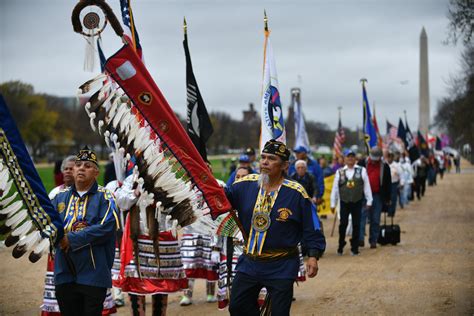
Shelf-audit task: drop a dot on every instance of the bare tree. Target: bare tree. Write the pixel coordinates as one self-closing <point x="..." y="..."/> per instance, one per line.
<point x="461" y="21"/>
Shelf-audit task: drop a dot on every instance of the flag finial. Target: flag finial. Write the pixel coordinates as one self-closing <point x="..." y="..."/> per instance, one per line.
<point x="363" y="81"/>
<point x="185" y="26"/>
<point x="265" y="20"/>
<point x="339" y="108"/>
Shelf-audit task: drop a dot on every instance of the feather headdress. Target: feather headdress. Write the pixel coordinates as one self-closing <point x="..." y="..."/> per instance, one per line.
<point x="29" y="218"/>
<point x="135" y="120"/>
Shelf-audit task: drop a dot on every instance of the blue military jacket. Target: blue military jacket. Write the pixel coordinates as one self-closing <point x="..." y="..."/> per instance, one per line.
<point x="293" y="220"/>
<point x="90" y="222"/>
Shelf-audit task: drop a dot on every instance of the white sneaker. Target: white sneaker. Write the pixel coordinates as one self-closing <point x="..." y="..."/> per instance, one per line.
<point x="211" y="299"/>
<point x="185" y="301"/>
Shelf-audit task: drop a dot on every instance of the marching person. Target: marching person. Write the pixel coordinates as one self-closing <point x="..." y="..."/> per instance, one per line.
<point x="420" y="169"/>
<point x="396" y="174"/>
<point x="380" y="181"/>
<point x="276" y="214"/>
<point x="145" y="272"/>
<point x="67" y="169"/>
<point x="84" y="257"/>
<point x="407" y="175"/>
<point x="231" y="249"/>
<point x="50" y="305"/>
<point x="303" y="177"/>
<point x="314" y="168"/>
<point x="350" y="186"/>
<point x="244" y="162"/>
<point x="201" y="256"/>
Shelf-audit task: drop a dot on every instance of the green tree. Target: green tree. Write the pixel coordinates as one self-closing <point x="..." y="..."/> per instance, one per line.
<point x="30" y="111"/>
<point x="39" y="128"/>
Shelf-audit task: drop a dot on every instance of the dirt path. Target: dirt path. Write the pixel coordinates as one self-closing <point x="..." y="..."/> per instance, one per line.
<point x="430" y="272"/>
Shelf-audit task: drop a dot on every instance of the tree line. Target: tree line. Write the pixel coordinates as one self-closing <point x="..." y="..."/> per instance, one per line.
<point x="54" y="126"/>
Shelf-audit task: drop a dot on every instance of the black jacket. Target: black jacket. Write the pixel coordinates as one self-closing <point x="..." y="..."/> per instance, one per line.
<point x="307" y="181"/>
<point x="386" y="181"/>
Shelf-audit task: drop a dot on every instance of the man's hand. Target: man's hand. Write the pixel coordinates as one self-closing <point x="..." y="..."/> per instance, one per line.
<point x="333" y="210"/>
<point x="319" y="201"/>
<point x="312" y="267"/>
<point x="64" y="244"/>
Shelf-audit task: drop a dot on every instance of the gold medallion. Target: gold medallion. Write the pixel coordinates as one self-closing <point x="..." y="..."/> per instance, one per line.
<point x="261" y="221"/>
<point x="61" y="207"/>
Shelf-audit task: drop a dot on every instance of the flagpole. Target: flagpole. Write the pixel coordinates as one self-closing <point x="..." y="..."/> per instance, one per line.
<point x="405" y="114"/>
<point x="267" y="33"/>
<point x="364" y="123"/>
<point x="232" y="212"/>
<point x="185" y="27"/>
<point x="132" y="26"/>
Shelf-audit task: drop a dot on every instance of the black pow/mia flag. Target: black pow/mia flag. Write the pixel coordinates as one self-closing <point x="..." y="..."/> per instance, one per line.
<point x="413" y="151"/>
<point x="199" y="126"/>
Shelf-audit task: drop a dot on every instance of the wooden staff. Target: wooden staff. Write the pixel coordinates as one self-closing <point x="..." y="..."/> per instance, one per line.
<point x="334" y="223"/>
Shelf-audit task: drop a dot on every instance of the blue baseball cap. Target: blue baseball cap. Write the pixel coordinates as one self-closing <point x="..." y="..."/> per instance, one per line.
<point x="244" y="158"/>
<point x="349" y="152"/>
<point x="300" y="149"/>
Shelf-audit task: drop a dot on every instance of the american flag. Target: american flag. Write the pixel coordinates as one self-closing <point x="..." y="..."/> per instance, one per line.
<point x="391" y="131"/>
<point x="339" y="139"/>
<point x="130" y="31"/>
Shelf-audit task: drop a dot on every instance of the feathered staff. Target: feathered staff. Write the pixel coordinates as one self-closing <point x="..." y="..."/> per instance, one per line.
<point x="132" y="114"/>
<point x="28" y="216"/>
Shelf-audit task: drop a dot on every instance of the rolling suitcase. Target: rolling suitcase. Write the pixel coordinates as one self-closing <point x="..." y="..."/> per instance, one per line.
<point x="389" y="234"/>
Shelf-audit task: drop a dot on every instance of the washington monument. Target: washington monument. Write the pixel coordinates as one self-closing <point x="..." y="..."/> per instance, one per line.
<point x="424" y="107"/>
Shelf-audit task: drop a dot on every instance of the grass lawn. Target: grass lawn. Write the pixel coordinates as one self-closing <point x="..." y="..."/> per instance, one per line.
<point x="46" y="173"/>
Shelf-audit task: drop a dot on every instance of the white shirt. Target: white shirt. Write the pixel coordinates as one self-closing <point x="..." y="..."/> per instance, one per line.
<point x="396" y="172"/>
<point x="407" y="172"/>
<point x="350" y="175"/>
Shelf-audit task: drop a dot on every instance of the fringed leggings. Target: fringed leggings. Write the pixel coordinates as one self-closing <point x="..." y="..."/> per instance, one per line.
<point x="159" y="302"/>
<point x="210" y="288"/>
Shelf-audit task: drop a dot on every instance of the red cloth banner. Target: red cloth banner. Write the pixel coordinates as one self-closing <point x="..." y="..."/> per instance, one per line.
<point x="127" y="69"/>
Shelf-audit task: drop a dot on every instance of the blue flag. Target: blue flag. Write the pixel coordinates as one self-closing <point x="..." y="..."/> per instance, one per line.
<point x="34" y="213"/>
<point x="370" y="136"/>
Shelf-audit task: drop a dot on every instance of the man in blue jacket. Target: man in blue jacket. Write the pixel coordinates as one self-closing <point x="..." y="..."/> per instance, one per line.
<point x="244" y="162"/>
<point x="276" y="215"/>
<point x="84" y="257"/>
<point x="313" y="167"/>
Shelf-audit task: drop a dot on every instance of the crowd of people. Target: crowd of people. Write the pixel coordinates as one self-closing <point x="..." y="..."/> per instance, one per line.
<point x="110" y="247"/>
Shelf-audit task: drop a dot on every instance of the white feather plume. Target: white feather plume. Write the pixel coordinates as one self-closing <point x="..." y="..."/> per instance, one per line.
<point x="42" y="247"/>
<point x="23" y="229"/>
<point x="7" y="200"/>
<point x="12" y="208"/>
<point x="16" y="219"/>
<point x="30" y="239"/>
